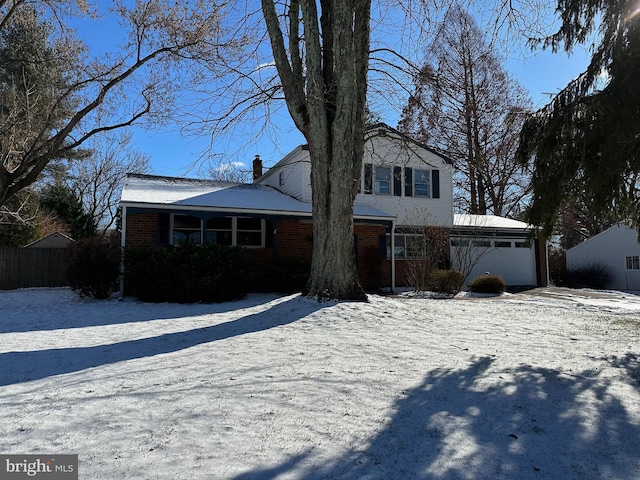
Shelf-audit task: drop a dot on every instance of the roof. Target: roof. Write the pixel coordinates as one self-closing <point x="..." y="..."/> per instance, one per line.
<point x="53" y="240"/>
<point x="488" y="222"/>
<point x="615" y="230"/>
<point x="370" y="131"/>
<point x="377" y="126"/>
<point x="149" y="191"/>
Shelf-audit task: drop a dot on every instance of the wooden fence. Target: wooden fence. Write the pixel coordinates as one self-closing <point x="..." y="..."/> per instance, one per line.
<point x="32" y="267"/>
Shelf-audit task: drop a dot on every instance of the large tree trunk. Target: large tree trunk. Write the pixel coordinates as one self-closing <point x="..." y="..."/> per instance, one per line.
<point x="326" y="99"/>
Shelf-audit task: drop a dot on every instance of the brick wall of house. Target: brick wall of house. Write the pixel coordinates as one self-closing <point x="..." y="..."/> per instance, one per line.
<point x="541" y="260"/>
<point x="292" y="238"/>
<point x="142" y="229"/>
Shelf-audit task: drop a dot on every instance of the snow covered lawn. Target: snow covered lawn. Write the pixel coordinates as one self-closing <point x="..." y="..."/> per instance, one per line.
<point x="527" y="386"/>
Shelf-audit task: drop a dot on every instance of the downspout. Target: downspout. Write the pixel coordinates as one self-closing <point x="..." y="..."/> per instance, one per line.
<point x="546" y="256"/>
<point x="123" y="236"/>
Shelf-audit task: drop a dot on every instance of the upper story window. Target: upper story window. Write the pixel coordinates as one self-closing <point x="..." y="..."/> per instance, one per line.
<point x="633" y="263"/>
<point x="401" y="181"/>
<point x="382" y="180"/>
<point x="422" y="183"/>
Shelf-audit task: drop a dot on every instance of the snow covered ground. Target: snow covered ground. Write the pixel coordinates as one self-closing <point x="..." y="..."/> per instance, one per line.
<point x="541" y="385"/>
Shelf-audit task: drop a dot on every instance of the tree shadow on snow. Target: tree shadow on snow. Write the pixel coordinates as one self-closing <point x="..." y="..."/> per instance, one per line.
<point x="17" y="367"/>
<point x="480" y="423"/>
<point x="65" y="310"/>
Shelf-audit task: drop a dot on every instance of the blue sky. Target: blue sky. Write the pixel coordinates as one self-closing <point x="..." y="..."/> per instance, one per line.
<point x="542" y="73"/>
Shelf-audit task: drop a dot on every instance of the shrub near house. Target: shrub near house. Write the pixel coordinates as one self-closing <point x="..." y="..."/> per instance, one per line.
<point x="186" y="274"/>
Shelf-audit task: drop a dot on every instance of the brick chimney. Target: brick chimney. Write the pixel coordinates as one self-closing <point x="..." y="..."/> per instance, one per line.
<point x="257" y="168"/>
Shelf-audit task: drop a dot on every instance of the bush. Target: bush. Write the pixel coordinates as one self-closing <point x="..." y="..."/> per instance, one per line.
<point x="93" y="266"/>
<point x="487" y="284"/>
<point x="186" y="274"/>
<point x="592" y="276"/>
<point x="289" y="274"/>
<point x="447" y="281"/>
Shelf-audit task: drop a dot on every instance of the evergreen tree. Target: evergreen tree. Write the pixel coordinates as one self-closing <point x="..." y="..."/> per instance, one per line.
<point x="587" y="140"/>
<point x="61" y="201"/>
<point x="19" y="225"/>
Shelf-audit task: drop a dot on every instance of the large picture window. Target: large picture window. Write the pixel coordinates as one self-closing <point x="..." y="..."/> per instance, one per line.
<point x="236" y="231"/>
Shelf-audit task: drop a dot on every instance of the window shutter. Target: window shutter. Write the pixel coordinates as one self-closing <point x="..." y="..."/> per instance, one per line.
<point x="382" y="245"/>
<point x="268" y="234"/>
<point x="408" y="182"/>
<point x="368" y="178"/>
<point x="164" y="222"/>
<point x="435" y="180"/>
<point x="397" y="181"/>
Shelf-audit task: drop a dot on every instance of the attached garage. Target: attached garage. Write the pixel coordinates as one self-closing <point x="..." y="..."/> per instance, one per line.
<point x="482" y="244"/>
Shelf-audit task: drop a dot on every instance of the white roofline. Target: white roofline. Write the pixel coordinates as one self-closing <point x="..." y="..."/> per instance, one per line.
<point x="287" y="213"/>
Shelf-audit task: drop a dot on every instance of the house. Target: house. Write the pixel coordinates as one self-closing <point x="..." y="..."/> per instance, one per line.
<point x="53" y="240"/>
<point x="616" y="249"/>
<point x="403" y="187"/>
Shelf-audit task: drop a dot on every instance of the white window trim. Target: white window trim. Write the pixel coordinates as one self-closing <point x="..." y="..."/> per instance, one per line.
<point x="428" y="184"/>
<point x="376" y="182"/>
<point x="635" y="262"/>
<point x="172" y="226"/>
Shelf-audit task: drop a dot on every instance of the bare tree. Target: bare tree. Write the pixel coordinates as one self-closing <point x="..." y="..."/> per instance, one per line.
<point x="98" y="179"/>
<point x="467" y="106"/>
<point x="469" y="245"/>
<point x="323" y="70"/>
<point x="96" y="95"/>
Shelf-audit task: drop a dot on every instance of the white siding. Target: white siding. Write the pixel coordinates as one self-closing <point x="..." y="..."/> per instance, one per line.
<point x="610" y="249"/>
<point x="295" y="172"/>
<point x="516" y="265"/>
<point x="391" y="151"/>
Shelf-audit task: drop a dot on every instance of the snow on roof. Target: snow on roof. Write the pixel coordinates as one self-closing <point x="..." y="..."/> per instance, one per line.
<point x="488" y="221"/>
<point x="147" y="190"/>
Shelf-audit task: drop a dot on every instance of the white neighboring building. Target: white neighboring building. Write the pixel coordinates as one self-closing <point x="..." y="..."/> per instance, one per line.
<point x="501" y="246"/>
<point x="617" y="249"/>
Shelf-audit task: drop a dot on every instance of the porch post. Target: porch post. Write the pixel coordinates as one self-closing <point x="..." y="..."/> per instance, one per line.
<point x="123" y="237"/>
<point x="393" y="256"/>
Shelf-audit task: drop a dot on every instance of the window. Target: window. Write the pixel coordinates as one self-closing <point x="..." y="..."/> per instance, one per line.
<point x="383" y="181"/>
<point x="249" y="232"/>
<point x="399" y="181"/>
<point x="502" y="244"/>
<point x="407" y="246"/>
<point x="526" y="244"/>
<point x="237" y="231"/>
<point x="633" y="263"/>
<point x="481" y="243"/>
<point x="458" y="242"/>
<point x="421" y="183"/>
<point x="186" y="229"/>
<point x="219" y="230"/>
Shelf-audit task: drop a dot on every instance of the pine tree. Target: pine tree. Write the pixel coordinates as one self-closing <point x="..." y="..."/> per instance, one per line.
<point x="587" y="140"/>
